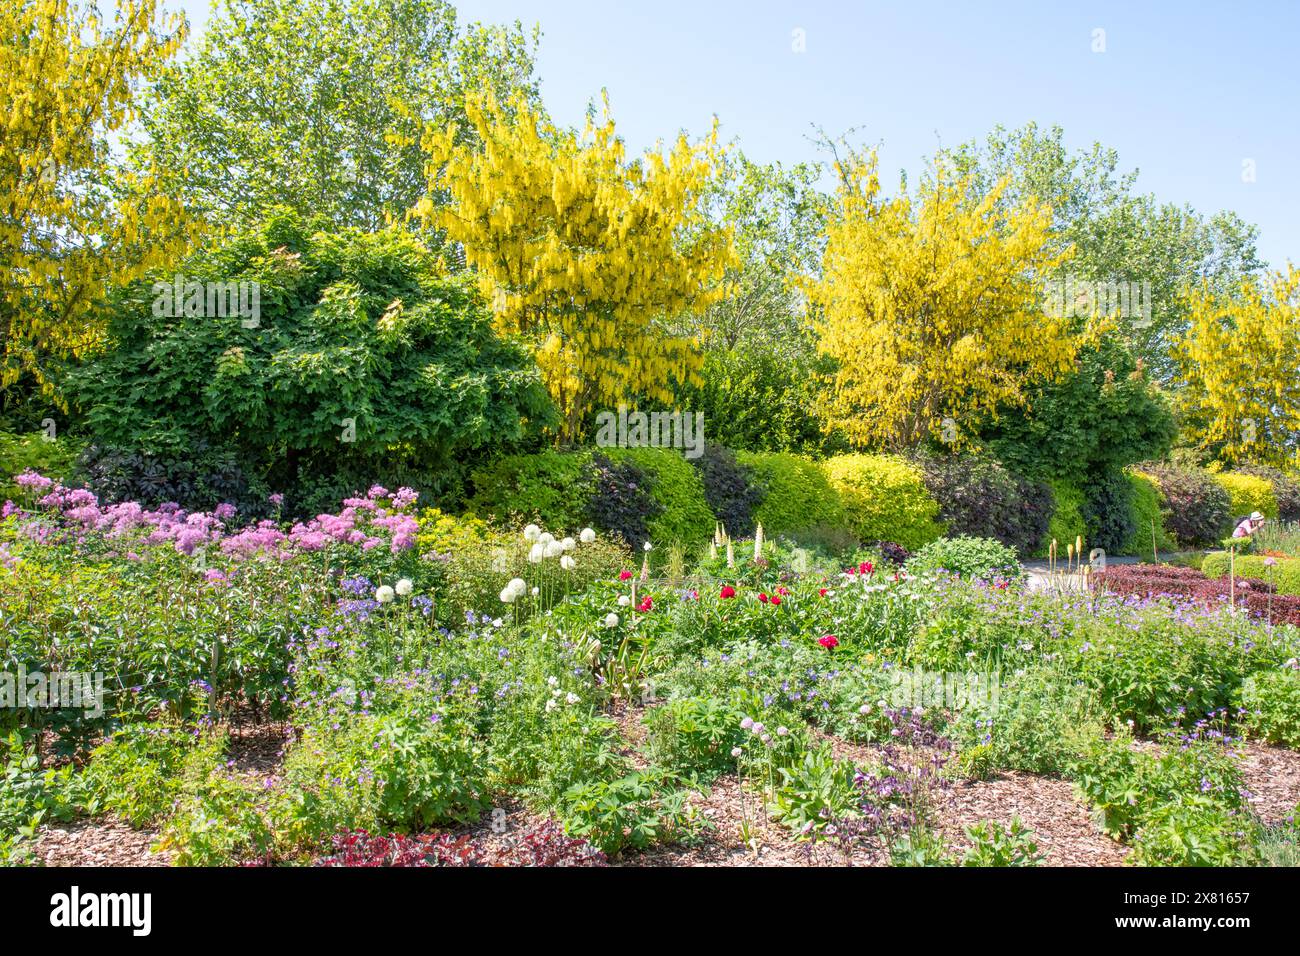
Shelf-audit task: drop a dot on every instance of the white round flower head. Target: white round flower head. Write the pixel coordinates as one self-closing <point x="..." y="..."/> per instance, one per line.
<point x="517" y="586"/>
<point x="568" y="563"/>
<point x="508" y="596"/>
<point x="647" y="546"/>
<point x="550" y="705"/>
<point x="404" y="587"/>
<point x="747" y="723"/>
<point x="757" y="728"/>
<point x="624" y="600"/>
<point x="611" y="620"/>
<point x="535" y="591"/>
<point x="736" y="751"/>
<point x="571" y="698"/>
<point x="383" y="594"/>
<point x="864" y="709"/>
<point x="587" y="536"/>
<point x="568" y="544"/>
<point x="545" y="538"/>
<point x="497" y="622"/>
<point x="782" y="731"/>
<point x="532" y="532"/>
<point x="536" y="553"/>
<point x="552" y="549"/>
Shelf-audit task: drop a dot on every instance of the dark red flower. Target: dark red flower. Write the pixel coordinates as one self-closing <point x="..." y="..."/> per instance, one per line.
<point x="829" y="641"/>
<point x="762" y="596"/>
<point x="624" y="575"/>
<point x="728" y="591"/>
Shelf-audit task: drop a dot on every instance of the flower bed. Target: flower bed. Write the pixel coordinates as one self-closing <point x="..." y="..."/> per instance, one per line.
<point x="1152" y="581"/>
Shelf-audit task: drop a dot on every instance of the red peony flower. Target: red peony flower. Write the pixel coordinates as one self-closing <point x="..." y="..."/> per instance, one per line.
<point x="822" y="592"/>
<point x="866" y="567"/>
<point x="782" y="591"/>
<point x="645" y="606"/>
<point x="762" y="596"/>
<point x="776" y="601"/>
<point x="624" y="575"/>
<point x="728" y="591"/>
<point x="829" y="641"/>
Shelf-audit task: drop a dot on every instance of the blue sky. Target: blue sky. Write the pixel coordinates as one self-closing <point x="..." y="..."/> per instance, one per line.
<point x="1185" y="91"/>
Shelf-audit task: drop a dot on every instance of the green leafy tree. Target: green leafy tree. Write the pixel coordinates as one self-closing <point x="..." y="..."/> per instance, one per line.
<point x="1104" y="415"/>
<point x="1117" y="234"/>
<point x="363" y="351"/>
<point x="319" y="105"/>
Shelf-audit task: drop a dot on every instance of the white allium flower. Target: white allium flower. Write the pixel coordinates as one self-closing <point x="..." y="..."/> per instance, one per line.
<point x="404" y="587"/>
<point x="552" y="549"/>
<point x="536" y="553"/>
<point x="587" y="536"/>
<point x="535" y="591"/>
<point x="568" y="544"/>
<point x="508" y="596"/>
<point x="611" y="620"/>
<point x="518" y="586"/>
<point x="568" y="563"/>
<point x="624" y="600"/>
<point x="647" y="547"/>
<point x="545" y="538"/>
<point x="532" y="533"/>
<point x="384" y="594"/>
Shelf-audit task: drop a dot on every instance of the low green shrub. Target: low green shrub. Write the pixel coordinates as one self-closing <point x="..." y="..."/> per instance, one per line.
<point x="1130" y="788"/>
<point x="1195" y="832"/>
<point x="798" y="495"/>
<point x="885" y="499"/>
<point x="138" y="773"/>
<point x="991" y="845"/>
<point x="981" y="559"/>
<point x="1271" y="699"/>
<point x="549" y="487"/>
<point x="1283" y="573"/>
<point x="1040" y="723"/>
<point x="630" y="812"/>
<point x="694" y="736"/>
<point x="685" y="518"/>
<point x="815" y="791"/>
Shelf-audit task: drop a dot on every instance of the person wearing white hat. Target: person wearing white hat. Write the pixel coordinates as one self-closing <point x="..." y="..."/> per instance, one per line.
<point x="1248" y="526"/>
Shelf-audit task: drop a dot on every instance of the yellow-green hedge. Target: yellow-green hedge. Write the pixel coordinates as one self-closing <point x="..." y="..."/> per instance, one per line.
<point x="1248" y="494"/>
<point x="885" y="499"/>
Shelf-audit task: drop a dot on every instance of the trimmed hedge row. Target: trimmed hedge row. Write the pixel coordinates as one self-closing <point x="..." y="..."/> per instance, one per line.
<point x="659" y="495"/>
<point x="1284" y="573"/>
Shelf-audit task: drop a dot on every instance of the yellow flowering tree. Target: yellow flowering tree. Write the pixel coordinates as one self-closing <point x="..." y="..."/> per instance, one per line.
<point x="73" y="221"/>
<point x="932" y="307"/>
<point x="1239" y="362"/>
<point x="580" y="251"/>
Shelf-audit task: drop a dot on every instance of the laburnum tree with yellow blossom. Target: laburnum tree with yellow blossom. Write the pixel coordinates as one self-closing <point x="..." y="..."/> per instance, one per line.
<point x="581" y="252"/>
<point x="932" y="307"/>
<point x="1239" y="363"/>
<point x="74" y="221"/>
